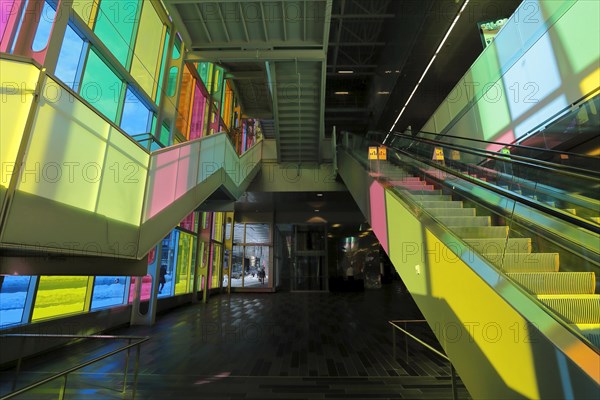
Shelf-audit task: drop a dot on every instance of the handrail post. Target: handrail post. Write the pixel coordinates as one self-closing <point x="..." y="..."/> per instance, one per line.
<point x="406" y="345"/>
<point x="126" y="367"/>
<point x="453" y="381"/>
<point x="394" y="342"/>
<point x="19" y="361"/>
<point x="63" y="389"/>
<point x="135" y="374"/>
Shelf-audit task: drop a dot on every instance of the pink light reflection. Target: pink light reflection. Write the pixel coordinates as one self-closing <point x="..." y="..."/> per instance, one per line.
<point x="378" y="213"/>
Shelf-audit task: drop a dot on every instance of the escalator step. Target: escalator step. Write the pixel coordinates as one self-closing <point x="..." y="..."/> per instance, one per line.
<point x="525" y="262"/>
<point x="590" y="331"/>
<point x="480" y="231"/>
<point x="413" y="187"/>
<point x="466" y="221"/>
<point x="452" y="212"/>
<point x="557" y="282"/>
<point x="575" y="308"/>
<point x="432" y="197"/>
<point x="425" y="202"/>
<point x="498" y="245"/>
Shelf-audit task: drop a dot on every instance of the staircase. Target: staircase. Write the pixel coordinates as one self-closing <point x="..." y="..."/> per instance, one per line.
<point x="570" y="295"/>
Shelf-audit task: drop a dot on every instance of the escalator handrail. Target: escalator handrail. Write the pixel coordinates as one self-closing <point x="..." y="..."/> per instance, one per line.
<point x="562" y="215"/>
<point x="518" y="146"/>
<point x="575" y="172"/>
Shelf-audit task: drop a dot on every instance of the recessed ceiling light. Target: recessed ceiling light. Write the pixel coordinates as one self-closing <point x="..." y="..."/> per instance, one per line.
<point x="345" y="72"/>
<point x="342" y="93"/>
<point x="336" y="225"/>
<point x="319" y="194"/>
<point x="389" y="71"/>
<point x="383" y="92"/>
<point x="317" y="210"/>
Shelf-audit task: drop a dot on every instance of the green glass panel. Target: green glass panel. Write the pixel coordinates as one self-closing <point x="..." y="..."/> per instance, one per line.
<point x="101" y="87"/>
<point x="163" y="67"/>
<point x="204" y="71"/>
<point x="115" y="24"/>
<point x="164" y="135"/>
<point x="176" y="53"/>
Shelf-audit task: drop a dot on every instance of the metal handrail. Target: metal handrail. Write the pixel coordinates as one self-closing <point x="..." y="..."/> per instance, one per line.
<point x="61" y="394"/>
<point x="395" y="327"/>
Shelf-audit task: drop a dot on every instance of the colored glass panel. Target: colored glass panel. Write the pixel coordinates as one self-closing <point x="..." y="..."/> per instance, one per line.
<point x="146" y="289"/>
<point x="60" y="295"/>
<point x="147" y="49"/>
<point x="186" y="97"/>
<point x="17" y="82"/>
<point x="163" y="67"/>
<point x="135" y="115"/>
<point x="579" y="33"/>
<point x="215" y="266"/>
<point x="101" y="87"/>
<point x="172" y="81"/>
<point x="108" y="172"/>
<point x="198" y="112"/>
<point x="218" y="226"/>
<point x="205" y="72"/>
<point x="13" y="293"/>
<point x="70" y="59"/>
<point x="184" y="263"/>
<point x="44" y="28"/>
<point x="168" y="263"/>
<point x="86" y="9"/>
<point x="7" y="8"/>
<point x="115" y="25"/>
<point x="108" y="291"/>
<point x="188" y="222"/>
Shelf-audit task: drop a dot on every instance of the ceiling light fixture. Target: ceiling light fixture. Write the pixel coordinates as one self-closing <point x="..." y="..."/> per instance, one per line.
<point x="428" y="66"/>
<point x="345" y="72"/>
<point x="317" y="210"/>
<point x="342" y="93"/>
<point x="336" y="225"/>
<point x="319" y="194"/>
<point x="381" y="93"/>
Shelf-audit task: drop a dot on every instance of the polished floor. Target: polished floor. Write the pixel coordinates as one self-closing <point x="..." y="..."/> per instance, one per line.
<point x="262" y="346"/>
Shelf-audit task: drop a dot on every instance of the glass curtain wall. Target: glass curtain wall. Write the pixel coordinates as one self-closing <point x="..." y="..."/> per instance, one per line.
<point x="251" y="265"/>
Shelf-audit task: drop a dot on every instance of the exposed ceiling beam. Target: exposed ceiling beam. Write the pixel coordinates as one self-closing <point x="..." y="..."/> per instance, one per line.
<point x="354" y="44"/>
<point x="338" y="36"/>
<point x="363" y="16"/>
<point x="178" y="21"/>
<point x="246" y="34"/>
<point x="203" y="23"/>
<point x="223" y="23"/>
<point x="264" y="22"/>
<point x="256" y="55"/>
<point x="254" y="75"/>
<point x="283" y="22"/>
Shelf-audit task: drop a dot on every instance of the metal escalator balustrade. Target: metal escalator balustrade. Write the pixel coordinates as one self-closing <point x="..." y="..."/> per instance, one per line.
<point x="572" y="190"/>
<point x="555" y="275"/>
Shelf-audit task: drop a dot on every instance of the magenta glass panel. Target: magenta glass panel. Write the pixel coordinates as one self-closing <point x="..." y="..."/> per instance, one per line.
<point x="146" y="287"/>
<point x="197" y="114"/>
<point x="8" y="9"/>
<point x="188" y="222"/>
<point x="184" y="172"/>
<point x="378" y="217"/>
<point x="162" y="184"/>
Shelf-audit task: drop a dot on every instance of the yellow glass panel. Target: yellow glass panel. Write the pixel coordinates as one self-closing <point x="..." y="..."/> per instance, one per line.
<point x="217" y="267"/>
<point x="184" y="263"/>
<point x="144" y="67"/>
<point x="124" y="179"/>
<point x="86" y="9"/>
<point x="17" y="83"/>
<point x="60" y="295"/>
<point x="66" y="151"/>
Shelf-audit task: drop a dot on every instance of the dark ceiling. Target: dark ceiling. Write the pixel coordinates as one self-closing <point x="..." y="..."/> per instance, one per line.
<point x="387" y="44"/>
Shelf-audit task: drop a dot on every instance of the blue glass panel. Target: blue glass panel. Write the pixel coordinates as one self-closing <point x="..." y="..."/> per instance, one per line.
<point x="42" y="34"/>
<point x="135" y="115"/>
<point x="108" y="291"/>
<point x="13" y="293"/>
<point x="70" y="59"/>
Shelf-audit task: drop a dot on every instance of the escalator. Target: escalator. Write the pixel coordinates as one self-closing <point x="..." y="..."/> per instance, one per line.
<point x="506" y="279"/>
<point x="74" y="184"/>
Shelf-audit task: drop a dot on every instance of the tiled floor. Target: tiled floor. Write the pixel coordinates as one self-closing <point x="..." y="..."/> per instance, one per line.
<point x="265" y="346"/>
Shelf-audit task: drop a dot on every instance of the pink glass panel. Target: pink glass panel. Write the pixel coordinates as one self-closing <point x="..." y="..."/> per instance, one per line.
<point x="188" y="222"/>
<point x="146" y="287"/>
<point x="162" y="184"/>
<point x="378" y="217"/>
<point x="197" y="114"/>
